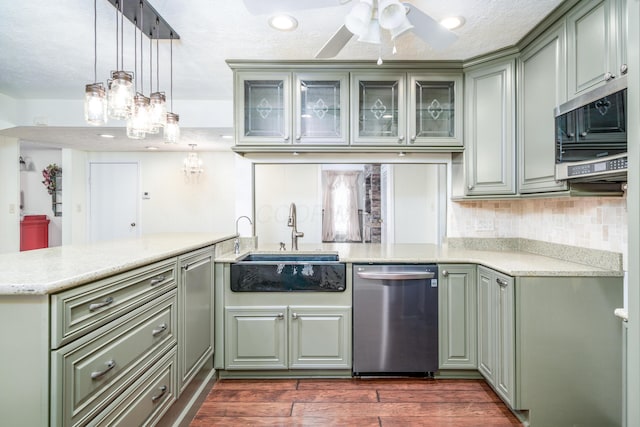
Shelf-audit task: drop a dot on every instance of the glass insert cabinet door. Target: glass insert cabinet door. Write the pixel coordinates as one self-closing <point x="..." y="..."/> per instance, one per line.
<point x="378" y="109"/>
<point x="435" y="113"/>
<point x="321" y="108"/>
<point x="263" y="107"/>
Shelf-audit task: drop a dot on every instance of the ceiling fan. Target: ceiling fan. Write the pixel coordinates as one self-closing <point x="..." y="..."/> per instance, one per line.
<point x="365" y="20"/>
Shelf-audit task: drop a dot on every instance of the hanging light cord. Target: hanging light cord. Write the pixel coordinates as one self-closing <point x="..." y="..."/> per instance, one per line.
<point x="121" y="35"/>
<point x="135" y="53"/>
<point x="141" y="49"/>
<point x="171" y="69"/>
<point x="151" y="60"/>
<point x="117" y="34"/>
<point x="158" y="56"/>
<point x="95" y="41"/>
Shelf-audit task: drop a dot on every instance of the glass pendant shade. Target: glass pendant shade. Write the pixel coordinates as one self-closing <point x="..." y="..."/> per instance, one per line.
<point x="390" y="13"/>
<point x="357" y="21"/>
<point x="172" y="129"/>
<point x="157" y="112"/>
<point x="95" y="104"/>
<point x="120" y="95"/>
<point x="138" y="123"/>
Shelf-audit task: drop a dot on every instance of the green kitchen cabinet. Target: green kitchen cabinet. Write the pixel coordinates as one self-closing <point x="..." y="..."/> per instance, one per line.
<point x="596" y="44"/>
<point x="542" y="71"/>
<point x="288" y="108"/>
<point x="457" y="316"/>
<point x="195" y="298"/>
<point x="496" y="332"/>
<point x="489" y="158"/>
<point x="288" y="337"/>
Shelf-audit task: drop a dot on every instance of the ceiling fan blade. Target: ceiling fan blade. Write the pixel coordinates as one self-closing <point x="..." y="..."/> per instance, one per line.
<point x="429" y="30"/>
<point x="334" y="45"/>
<point x="265" y="7"/>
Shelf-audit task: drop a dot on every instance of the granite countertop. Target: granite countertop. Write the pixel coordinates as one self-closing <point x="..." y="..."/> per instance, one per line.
<point x="511" y="262"/>
<point x="45" y="271"/>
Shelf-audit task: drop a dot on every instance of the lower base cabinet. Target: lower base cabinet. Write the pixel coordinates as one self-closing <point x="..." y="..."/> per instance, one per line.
<point x="457" y="316"/>
<point x="288" y="337"/>
<point x="496" y="332"/>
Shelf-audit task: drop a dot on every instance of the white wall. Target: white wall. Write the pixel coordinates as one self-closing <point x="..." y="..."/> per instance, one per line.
<point x="178" y="205"/>
<point x="276" y="187"/>
<point x="74" y="196"/>
<point x="9" y="195"/>
<point x="37" y="201"/>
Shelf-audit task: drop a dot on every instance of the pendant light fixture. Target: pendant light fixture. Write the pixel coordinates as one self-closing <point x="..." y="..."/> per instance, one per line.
<point x="158" y="109"/>
<point x="121" y="89"/>
<point x="192" y="164"/>
<point x="95" y="97"/>
<point x="172" y="126"/>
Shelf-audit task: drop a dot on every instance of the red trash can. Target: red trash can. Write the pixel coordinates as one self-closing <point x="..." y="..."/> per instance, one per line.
<point x="34" y="232"/>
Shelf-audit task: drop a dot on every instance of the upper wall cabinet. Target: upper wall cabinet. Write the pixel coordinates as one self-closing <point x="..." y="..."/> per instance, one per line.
<point x="280" y="108"/>
<point x="542" y="71"/>
<point x="414" y="109"/>
<point x="489" y="158"/>
<point x="596" y="48"/>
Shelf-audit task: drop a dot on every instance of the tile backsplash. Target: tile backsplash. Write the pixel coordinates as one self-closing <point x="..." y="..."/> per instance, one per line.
<point x="590" y="222"/>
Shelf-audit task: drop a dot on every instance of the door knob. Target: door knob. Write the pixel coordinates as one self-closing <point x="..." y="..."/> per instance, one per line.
<point x="133" y="224"/>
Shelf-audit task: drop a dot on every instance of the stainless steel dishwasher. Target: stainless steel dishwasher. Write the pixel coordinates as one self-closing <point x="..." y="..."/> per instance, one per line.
<point x="395" y="319"/>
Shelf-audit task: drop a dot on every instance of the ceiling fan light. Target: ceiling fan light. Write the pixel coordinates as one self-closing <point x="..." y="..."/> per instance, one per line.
<point x="401" y="29"/>
<point x="391" y="13"/>
<point x="373" y="35"/>
<point x="359" y="19"/>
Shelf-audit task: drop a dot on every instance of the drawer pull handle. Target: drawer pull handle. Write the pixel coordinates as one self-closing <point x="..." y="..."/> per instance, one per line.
<point x="97" y="374"/>
<point x="157" y="280"/>
<point x="163" y="391"/>
<point x="502" y="282"/>
<point x="97" y="305"/>
<point x="160" y="329"/>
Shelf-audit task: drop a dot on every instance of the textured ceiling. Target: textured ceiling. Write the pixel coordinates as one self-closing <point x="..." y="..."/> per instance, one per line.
<point x="47" y="47"/>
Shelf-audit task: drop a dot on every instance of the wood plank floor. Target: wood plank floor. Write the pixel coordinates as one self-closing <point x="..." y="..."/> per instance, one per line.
<point x="353" y="402"/>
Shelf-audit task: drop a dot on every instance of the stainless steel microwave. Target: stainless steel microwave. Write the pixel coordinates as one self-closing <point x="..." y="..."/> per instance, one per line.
<point x="591" y="135"/>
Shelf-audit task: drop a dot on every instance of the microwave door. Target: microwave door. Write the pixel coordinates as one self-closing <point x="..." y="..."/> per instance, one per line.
<point x="603" y="121"/>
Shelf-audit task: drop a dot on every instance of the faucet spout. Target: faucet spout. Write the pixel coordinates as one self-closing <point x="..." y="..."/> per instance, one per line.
<point x="292" y="222"/>
<point x="236" y="243"/>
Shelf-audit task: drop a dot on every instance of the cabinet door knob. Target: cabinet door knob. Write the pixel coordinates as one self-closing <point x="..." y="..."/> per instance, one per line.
<point x="609" y="76"/>
<point x="413" y="139"/>
<point x="501" y="282"/>
<point x="280" y="316"/>
<point x="470" y="186"/>
<point x="623" y="69"/>
<point x="445" y="273"/>
<point x="400" y="139"/>
<point x="294" y="315"/>
<point x="298" y="137"/>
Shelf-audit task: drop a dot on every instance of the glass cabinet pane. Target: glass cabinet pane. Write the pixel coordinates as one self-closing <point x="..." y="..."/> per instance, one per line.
<point x="320" y="109"/>
<point x="264" y="108"/>
<point x="378" y="108"/>
<point x="435" y="109"/>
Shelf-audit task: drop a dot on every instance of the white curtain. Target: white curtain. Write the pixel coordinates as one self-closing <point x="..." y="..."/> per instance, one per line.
<point x="340" y="206"/>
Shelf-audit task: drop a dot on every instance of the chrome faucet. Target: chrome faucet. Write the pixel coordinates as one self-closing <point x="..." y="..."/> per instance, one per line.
<point x="236" y="243"/>
<point x="293" y="222"/>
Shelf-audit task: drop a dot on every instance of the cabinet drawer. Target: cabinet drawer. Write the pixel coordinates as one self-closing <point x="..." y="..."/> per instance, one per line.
<point x="80" y="310"/>
<point x="91" y="372"/>
<point x="149" y="399"/>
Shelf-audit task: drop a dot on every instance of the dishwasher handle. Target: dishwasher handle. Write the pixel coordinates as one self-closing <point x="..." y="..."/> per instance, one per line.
<point x="395" y="275"/>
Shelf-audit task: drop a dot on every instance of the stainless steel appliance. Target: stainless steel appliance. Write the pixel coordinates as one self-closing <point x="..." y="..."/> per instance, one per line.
<point x="395" y="319"/>
<point x="591" y="135"/>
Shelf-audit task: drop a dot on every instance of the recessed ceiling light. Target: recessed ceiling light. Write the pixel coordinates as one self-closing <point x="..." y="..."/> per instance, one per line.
<point x="452" y="22"/>
<point x="283" y="22"/>
<point x="149" y="147"/>
<point x="106" y="135"/>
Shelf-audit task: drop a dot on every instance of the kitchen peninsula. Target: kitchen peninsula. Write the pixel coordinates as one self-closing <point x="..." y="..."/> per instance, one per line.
<point x="98" y="332"/>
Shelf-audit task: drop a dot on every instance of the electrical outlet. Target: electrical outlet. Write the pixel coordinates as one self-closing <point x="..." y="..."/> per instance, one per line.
<point x="484" y="225"/>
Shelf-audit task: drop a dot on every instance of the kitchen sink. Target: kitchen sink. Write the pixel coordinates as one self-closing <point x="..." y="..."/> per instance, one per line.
<point x="290" y="272"/>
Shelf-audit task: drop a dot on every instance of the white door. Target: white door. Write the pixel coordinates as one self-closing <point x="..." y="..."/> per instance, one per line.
<point x="113" y="201"/>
